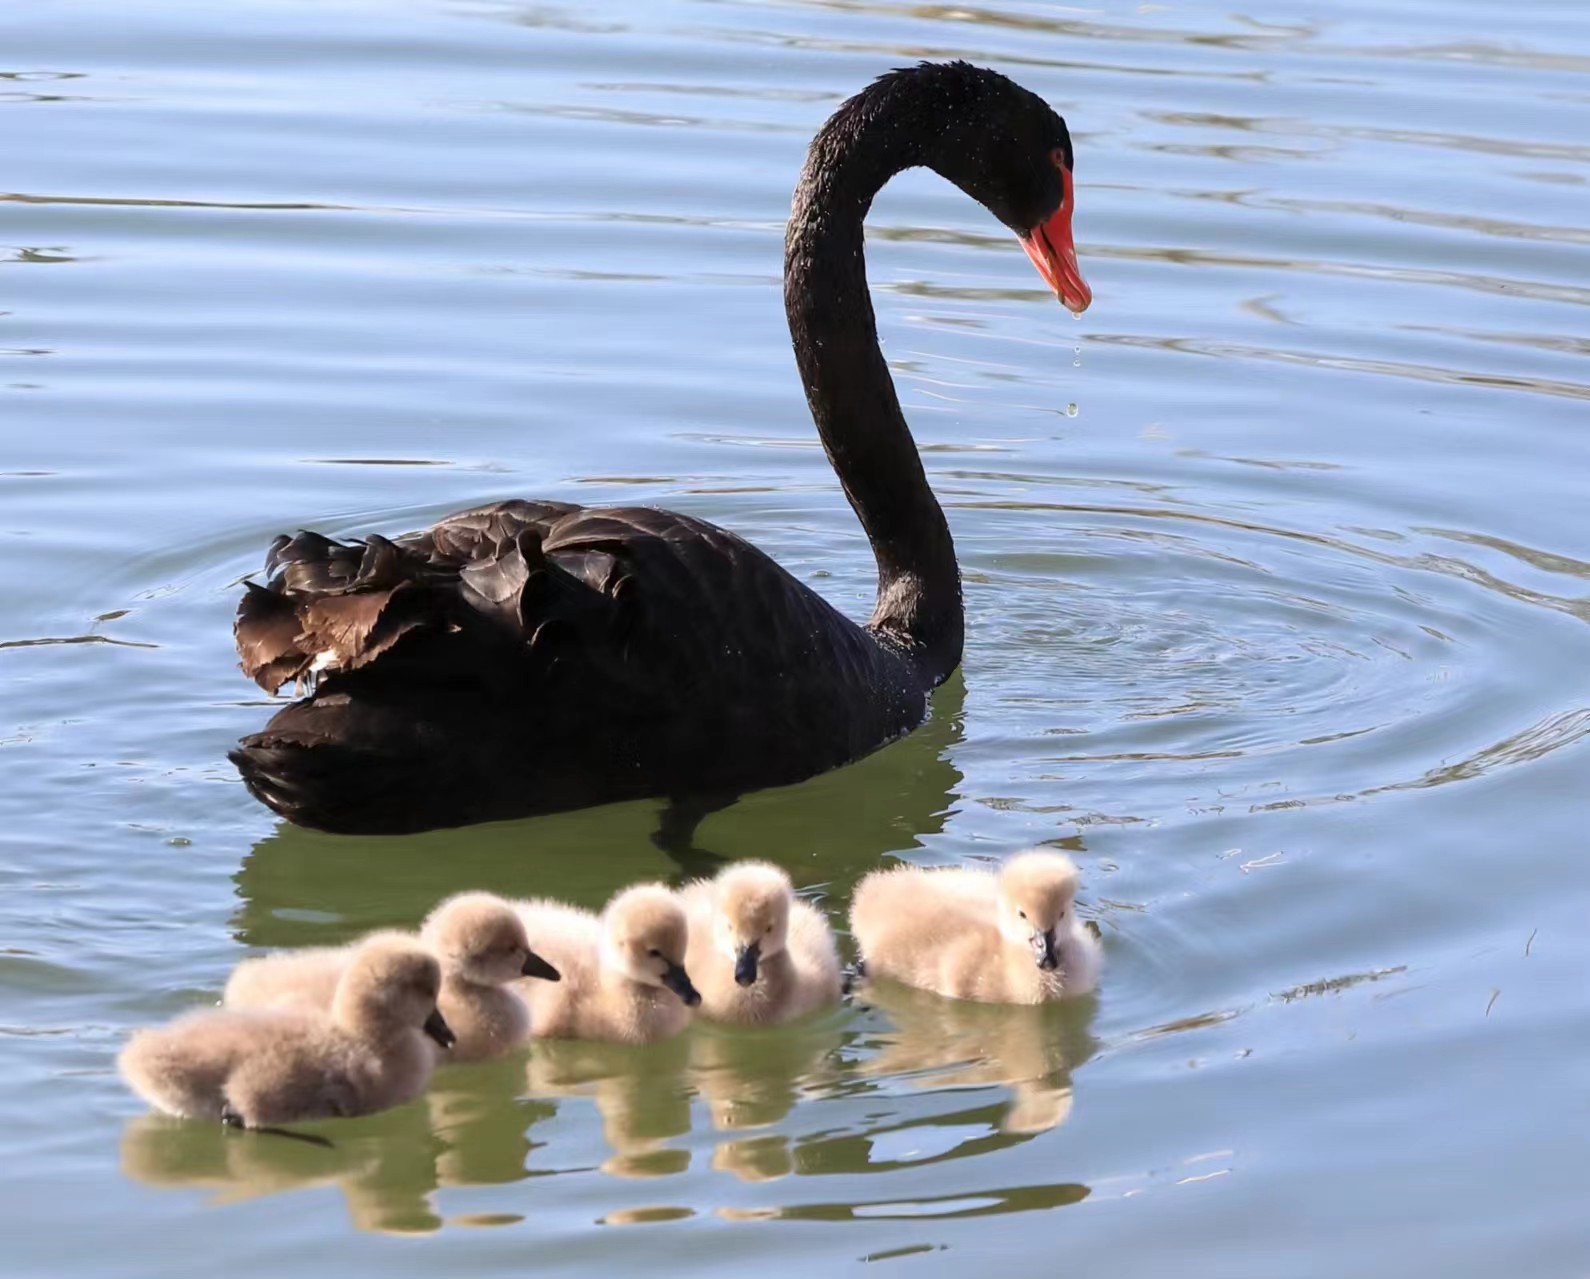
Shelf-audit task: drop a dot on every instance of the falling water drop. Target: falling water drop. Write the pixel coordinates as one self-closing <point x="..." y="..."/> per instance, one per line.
<point x="1071" y="409"/>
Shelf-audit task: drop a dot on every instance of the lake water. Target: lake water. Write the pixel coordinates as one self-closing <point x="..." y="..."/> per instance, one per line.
<point x="1277" y="573"/>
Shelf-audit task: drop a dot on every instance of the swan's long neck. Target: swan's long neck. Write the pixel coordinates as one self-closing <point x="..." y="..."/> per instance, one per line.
<point x="849" y="389"/>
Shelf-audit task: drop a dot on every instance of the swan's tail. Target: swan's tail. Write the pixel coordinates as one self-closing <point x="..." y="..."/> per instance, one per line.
<point x="425" y="664"/>
<point x="359" y="766"/>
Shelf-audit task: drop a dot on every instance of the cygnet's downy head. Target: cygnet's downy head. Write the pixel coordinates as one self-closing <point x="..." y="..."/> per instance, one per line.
<point x="1037" y="891"/>
<point x="751" y="922"/>
<point x="645" y="937"/>
<point x="480" y="939"/>
<point x="390" y="984"/>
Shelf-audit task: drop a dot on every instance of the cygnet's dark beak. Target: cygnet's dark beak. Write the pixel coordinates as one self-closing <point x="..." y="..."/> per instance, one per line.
<point x="1043" y="951"/>
<point x="535" y="966"/>
<point x="437" y="1028"/>
<point x="678" y="980"/>
<point x="745" y="965"/>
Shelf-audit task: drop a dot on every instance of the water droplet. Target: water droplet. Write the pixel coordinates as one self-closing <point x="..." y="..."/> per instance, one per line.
<point x="1071" y="410"/>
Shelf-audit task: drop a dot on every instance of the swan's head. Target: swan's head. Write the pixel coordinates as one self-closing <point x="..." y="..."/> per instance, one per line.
<point x="1004" y="146"/>
<point x="645" y="935"/>
<point x="391" y="984"/>
<point x="1037" y="897"/>
<point x="751" y="922"/>
<point x="479" y="938"/>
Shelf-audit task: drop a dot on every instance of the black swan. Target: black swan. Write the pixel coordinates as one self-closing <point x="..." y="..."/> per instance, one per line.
<point x="533" y="656"/>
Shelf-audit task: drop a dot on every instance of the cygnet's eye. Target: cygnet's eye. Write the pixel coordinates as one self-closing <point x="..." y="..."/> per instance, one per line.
<point x="1022" y="913"/>
<point x="655" y="953"/>
<point x="768" y="930"/>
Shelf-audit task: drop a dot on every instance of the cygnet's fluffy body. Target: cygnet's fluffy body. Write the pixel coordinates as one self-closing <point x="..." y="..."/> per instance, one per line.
<point x="305" y="979"/>
<point x="1011" y="937"/>
<point x="624" y="976"/>
<point x="476" y="937"/>
<point x="758" y="955"/>
<point x="483" y="948"/>
<point x="271" y="1066"/>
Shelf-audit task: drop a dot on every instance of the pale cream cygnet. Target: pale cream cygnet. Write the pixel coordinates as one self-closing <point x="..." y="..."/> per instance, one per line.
<point x="476" y="937"/>
<point x="252" y="1068"/>
<point x="758" y="954"/>
<point x="1005" y="937"/>
<point x="624" y="975"/>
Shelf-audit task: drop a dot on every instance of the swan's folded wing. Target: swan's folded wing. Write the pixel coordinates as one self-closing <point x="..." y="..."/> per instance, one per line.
<point x="335" y="607"/>
<point x="640" y="608"/>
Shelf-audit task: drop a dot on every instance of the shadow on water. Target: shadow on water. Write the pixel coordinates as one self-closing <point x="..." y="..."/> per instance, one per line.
<point x="301" y="887"/>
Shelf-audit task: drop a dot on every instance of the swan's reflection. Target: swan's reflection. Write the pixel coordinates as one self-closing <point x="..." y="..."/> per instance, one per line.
<point x="301" y="887"/>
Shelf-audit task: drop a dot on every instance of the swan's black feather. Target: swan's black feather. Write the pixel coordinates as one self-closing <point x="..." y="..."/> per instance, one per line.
<point x="527" y="657"/>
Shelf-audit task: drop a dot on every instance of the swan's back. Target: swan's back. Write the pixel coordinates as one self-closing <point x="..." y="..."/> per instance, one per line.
<point x="529" y="657"/>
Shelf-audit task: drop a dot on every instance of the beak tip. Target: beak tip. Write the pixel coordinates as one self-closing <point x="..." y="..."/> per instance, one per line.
<point x="678" y="981"/>
<point x="535" y="966"/>
<point x="437" y="1029"/>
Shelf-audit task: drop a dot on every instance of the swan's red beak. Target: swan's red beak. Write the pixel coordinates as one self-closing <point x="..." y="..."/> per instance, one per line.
<point x="1049" y="246"/>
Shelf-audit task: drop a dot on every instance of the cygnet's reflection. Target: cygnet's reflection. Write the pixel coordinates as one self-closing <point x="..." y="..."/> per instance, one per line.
<point x="641" y="1093"/>
<point x="747" y="1080"/>
<point x="938" y="1044"/>
<point x="385" y="1181"/>
<point x="490" y="1124"/>
<point x="750" y="1079"/>
<point x="469" y="1129"/>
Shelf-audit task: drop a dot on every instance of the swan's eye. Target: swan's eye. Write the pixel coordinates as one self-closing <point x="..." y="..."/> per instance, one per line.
<point x="1022" y="913"/>
<point x="1058" y="155"/>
